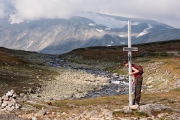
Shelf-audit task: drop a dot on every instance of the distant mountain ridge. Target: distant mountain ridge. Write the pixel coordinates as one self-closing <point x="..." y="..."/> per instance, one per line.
<point x="57" y="36"/>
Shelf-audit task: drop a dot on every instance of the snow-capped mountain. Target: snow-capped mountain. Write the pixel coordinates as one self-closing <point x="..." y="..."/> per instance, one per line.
<point x="56" y="36"/>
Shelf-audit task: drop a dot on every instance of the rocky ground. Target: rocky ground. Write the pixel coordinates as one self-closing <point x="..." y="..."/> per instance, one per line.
<point x="74" y="84"/>
<point x="59" y="96"/>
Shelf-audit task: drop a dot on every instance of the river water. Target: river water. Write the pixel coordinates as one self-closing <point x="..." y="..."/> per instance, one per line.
<point x="118" y="84"/>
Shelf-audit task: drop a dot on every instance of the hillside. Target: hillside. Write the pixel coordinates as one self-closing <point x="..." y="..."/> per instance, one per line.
<point x="63" y="82"/>
<point x="159" y="59"/>
<point x="58" y="36"/>
<point x="21" y="70"/>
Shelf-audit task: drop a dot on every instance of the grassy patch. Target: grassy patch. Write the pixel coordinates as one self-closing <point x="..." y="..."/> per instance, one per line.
<point x="177" y="89"/>
<point x="134" y="113"/>
<point x="138" y="114"/>
<point x="118" y="102"/>
<point x="159" y="54"/>
<point x="177" y="67"/>
<point x="38" y="106"/>
<point x="155" y="113"/>
<point x="103" y="100"/>
<point x="167" y="100"/>
<point x="121" y="71"/>
<point x="8" y="60"/>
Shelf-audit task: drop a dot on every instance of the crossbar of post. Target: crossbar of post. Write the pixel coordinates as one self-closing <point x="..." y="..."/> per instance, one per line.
<point x="130" y="63"/>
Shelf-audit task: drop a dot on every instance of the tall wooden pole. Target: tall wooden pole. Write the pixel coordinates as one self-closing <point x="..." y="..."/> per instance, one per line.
<point x="130" y="63"/>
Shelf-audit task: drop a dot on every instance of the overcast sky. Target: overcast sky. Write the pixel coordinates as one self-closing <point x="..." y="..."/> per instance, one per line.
<point x="165" y="11"/>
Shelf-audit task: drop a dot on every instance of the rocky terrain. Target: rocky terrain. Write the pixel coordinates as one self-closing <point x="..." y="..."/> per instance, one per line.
<point x="50" y="87"/>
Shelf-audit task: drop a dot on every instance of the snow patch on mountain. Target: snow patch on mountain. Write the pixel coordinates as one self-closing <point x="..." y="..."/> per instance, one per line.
<point x="109" y="22"/>
<point x="145" y="31"/>
<point x="99" y="30"/>
<point x="111" y="43"/>
<point x="122" y="36"/>
<point x="107" y="28"/>
<point x="135" y="23"/>
<point x="91" y="24"/>
<point x="122" y="43"/>
<point x="29" y="45"/>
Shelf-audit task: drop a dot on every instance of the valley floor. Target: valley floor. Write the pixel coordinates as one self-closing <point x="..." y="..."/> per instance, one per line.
<point x="52" y="97"/>
<point x="44" y="105"/>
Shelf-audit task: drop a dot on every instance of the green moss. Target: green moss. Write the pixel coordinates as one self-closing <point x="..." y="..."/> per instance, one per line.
<point x="134" y="113"/>
<point x="144" y="60"/>
<point x="177" y="89"/>
<point x="138" y="114"/>
<point x="177" y="67"/>
<point x="38" y="106"/>
<point x="120" y="71"/>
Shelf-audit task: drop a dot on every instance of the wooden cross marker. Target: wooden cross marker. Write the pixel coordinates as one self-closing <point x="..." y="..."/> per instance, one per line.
<point x="129" y="49"/>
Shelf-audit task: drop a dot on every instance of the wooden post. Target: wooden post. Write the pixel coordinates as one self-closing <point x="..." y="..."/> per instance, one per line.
<point x="129" y="49"/>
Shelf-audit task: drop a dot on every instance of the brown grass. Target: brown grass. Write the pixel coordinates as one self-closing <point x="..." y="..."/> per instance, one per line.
<point x="6" y="59"/>
<point x="18" y="74"/>
<point x="170" y="99"/>
<point x="116" y="53"/>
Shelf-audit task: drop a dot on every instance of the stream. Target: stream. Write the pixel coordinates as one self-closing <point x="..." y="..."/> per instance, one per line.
<point x="118" y="84"/>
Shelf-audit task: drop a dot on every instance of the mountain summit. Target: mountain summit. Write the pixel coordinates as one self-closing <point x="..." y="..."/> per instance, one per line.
<point x="57" y="36"/>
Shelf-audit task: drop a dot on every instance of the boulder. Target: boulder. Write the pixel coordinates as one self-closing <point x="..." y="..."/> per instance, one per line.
<point x="149" y="108"/>
<point x="13" y="101"/>
<point x="8" y="108"/>
<point x="5" y="98"/>
<point x="4" y="104"/>
<point x="127" y="109"/>
<point x="41" y="113"/>
<point x="8" y="101"/>
<point x="14" y="95"/>
<point x="9" y="93"/>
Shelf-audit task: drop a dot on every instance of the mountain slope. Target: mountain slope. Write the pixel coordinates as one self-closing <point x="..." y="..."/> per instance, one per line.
<point x="56" y="36"/>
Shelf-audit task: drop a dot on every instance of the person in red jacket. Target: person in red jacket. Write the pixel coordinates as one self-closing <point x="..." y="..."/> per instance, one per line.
<point x="137" y="81"/>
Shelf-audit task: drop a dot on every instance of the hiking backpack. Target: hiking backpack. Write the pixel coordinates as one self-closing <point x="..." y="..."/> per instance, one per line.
<point x="139" y="68"/>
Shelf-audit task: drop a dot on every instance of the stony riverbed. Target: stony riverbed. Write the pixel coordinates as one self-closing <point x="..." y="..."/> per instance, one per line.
<point x="79" y="83"/>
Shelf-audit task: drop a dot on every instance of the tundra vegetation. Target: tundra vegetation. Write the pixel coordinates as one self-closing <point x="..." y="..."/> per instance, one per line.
<point x="22" y="70"/>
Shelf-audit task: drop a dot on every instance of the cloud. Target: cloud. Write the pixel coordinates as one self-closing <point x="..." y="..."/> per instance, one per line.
<point x="1" y="10"/>
<point x="165" y="11"/>
<point x="33" y="9"/>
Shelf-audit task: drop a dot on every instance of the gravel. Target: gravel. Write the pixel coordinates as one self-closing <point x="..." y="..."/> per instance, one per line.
<point x="70" y="83"/>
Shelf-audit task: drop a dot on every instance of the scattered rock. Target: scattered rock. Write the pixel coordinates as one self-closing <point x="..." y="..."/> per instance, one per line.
<point x="33" y="118"/>
<point x="31" y="91"/>
<point x="5" y="98"/>
<point x="149" y="108"/>
<point x="118" y="110"/>
<point x="41" y="113"/>
<point x="8" y="101"/>
<point x="21" y="94"/>
<point x="5" y="116"/>
<point x="127" y="109"/>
